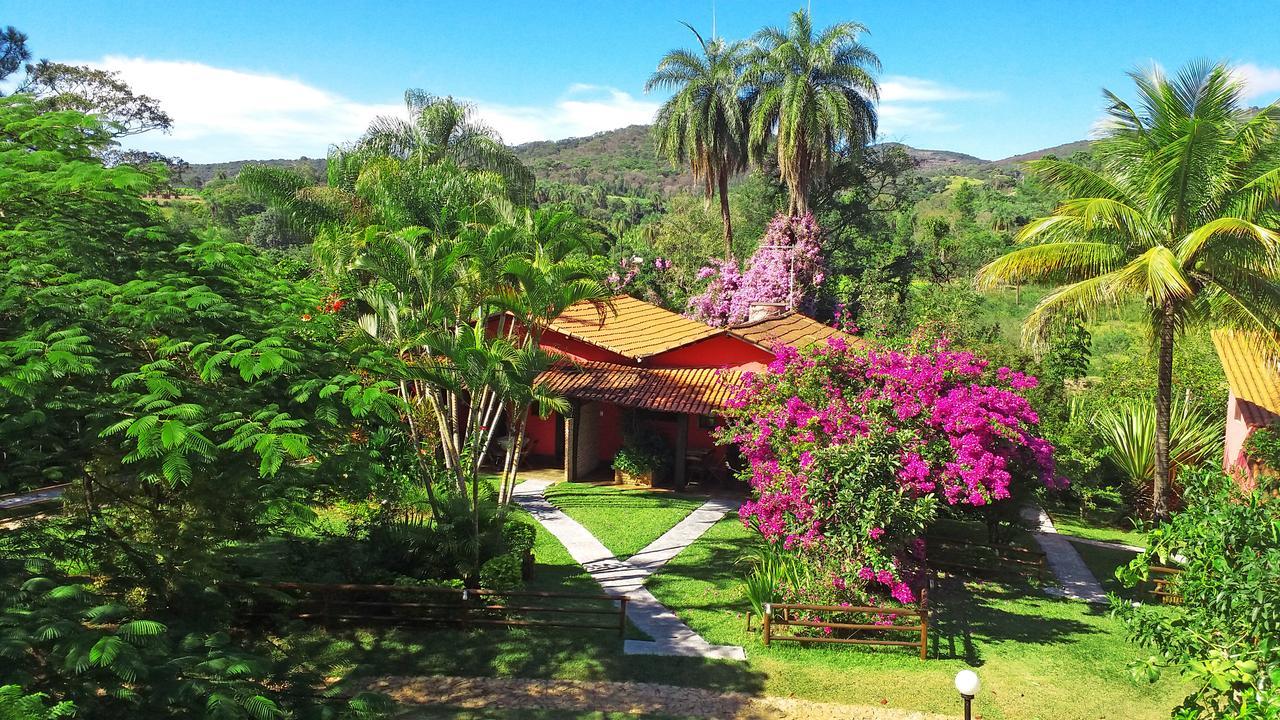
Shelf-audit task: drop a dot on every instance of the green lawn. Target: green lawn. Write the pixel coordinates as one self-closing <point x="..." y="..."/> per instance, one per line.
<point x="1106" y="524"/>
<point x="1039" y="658"/>
<point x="625" y="519"/>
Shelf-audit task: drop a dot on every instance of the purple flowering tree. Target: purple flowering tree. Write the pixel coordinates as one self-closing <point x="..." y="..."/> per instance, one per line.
<point x="786" y="269"/>
<point x="851" y="452"/>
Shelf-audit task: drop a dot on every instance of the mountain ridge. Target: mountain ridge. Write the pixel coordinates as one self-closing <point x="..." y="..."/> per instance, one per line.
<point x="625" y="160"/>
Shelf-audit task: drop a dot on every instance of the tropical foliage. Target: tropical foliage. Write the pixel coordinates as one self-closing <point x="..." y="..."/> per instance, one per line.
<point x="705" y="122"/>
<point x="813" y="92"/>
<point x="1180" y="217"/>
<point x="1129" y="434"/>
<point x="1222" y="635"/>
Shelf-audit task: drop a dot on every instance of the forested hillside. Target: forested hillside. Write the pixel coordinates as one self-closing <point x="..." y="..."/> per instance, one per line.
<point x="625" y="162"/>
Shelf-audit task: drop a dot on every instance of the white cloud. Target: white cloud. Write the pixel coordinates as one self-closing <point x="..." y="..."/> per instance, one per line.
<point x="582" y="110"/>
<point x="224" y="114"/>
<point x="899" y="88"/>
<point x="1259" y="81"/>
<point x="910" y="104"/>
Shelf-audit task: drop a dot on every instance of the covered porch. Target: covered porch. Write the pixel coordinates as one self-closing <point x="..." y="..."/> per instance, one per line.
<point x="608" y="402"/>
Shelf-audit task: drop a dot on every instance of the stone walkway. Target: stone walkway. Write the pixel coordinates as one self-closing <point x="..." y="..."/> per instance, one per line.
<point x="1077" y="581"/>
<point x="627" y="577"/>
<point x="618" y="697"/>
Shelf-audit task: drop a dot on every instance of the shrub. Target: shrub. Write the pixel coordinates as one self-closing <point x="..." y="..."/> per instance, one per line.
<point x="1223" y="636"/>
<point x="641" y="454"/>
<point x="850" y="454"/>
<point x="501" y="573"/>
<point x="1263" y="447"/>
<point x="518" y="537"/>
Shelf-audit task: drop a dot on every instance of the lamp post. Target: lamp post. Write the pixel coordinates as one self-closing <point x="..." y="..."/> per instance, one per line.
<point x="967" y="684"/>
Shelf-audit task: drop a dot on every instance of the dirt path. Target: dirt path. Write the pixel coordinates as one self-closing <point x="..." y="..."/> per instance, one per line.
<point x="622" y="697"/>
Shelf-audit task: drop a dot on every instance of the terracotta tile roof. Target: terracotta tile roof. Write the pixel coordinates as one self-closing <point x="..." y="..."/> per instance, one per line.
<point x="700" y="391"/>
<point x="633" y="328"/>
<point x="791" y="328"/>
<point x="1253" y="377"/>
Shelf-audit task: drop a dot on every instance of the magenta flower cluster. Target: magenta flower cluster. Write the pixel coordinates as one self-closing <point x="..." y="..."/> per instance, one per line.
<point x="630" y="268"/>
<point x="785" y="270"/>
<point x="959" y="433"/>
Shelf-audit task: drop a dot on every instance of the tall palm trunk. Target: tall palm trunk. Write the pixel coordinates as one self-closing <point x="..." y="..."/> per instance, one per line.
<point x="723" y="179"/>
<point x="1164" y="403"/>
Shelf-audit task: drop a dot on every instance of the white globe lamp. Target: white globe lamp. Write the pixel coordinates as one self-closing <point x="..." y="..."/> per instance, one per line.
<point x="968" y="685"/>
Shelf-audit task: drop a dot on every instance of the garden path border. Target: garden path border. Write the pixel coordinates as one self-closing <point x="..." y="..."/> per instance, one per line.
<point x="671" y="636"/>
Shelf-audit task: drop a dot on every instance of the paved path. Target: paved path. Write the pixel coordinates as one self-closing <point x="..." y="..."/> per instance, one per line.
<point x="1077" y="581"/>
<point x="8" y="502"/>
<point x="567" y="696"/>
<point x="670" y="635"/>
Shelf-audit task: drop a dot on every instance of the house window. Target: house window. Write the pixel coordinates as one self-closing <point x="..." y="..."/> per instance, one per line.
<point x="707" y="422"/>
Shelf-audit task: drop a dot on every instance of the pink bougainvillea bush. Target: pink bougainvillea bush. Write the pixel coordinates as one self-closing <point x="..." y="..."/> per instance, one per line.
<point x="786" y="269"/>
<point x="851" y="451"/>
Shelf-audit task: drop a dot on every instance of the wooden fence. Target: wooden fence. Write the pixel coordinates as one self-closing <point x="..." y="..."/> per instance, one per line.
<point x="410" y="605"/>
<point x="847" y="633"/>
<point x="1161" y="584"/>
<point x="974" y="557"/>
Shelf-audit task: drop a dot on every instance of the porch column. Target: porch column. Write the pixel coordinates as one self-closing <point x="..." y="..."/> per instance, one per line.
<point x="571" y="443"/>
<point x="682" y="449"/>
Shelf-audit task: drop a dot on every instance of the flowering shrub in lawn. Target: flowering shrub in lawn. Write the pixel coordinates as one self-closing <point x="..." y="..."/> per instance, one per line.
<point x="785" y="269"/>
<point x="850" y="453"/>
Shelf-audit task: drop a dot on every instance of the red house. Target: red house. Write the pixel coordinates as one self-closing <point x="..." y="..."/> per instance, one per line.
<point x="653" y="368"/>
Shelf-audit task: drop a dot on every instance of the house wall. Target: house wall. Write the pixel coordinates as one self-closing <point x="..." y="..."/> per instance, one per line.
<point x="720" y="351"/>
<point x="542" y="433"/>
<point x="1234" y="461"/>
<point x="1237" y="434"/>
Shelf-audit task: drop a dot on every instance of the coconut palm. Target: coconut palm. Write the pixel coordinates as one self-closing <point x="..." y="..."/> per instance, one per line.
<point x="1180" y="217"/>
<point x="443" y="129"/>
<point x="705" y="121"/>
<point x="816" y="93"/>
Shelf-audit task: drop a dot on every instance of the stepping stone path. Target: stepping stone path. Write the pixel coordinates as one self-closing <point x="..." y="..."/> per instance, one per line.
<point x="621" y="697"/>
<point x="1077" y="581"/>
<point x="627" y="577"/>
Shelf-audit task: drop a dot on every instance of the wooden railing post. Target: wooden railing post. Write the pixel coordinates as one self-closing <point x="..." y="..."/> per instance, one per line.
<point x="924" y="622"/>
<point x="765" y="616"/>
<point x="622" y="617"/>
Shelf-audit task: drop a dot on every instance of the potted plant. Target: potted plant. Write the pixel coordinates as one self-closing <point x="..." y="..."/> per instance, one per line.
<point x="637" y="462"/>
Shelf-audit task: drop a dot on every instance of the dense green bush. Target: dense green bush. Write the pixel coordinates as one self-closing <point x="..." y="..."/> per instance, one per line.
<point x="501" y="573"/>
<point x="1224" y="637"/>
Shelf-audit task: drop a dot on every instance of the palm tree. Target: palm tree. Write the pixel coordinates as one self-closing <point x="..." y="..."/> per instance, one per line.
<point x="705" y="122"/>
<point x="816" y="93"/>
<point x="443" y="129"/>
<point x="1180" y="217"/>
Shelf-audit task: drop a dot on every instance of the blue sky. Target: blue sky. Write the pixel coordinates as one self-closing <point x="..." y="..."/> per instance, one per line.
<point x="281" y="79"/>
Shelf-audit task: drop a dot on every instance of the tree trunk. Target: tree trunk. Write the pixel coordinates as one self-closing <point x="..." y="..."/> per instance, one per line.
<point x="724" y="213"/>
<point x="1164" y="403"/>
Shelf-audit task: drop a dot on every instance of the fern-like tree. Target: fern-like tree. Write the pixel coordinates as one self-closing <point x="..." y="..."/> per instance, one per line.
<point x="1181" y="217"/>
<point x="704" y="123"/>
<point x="443" y="129"/>
<point x="814" y="93"/>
